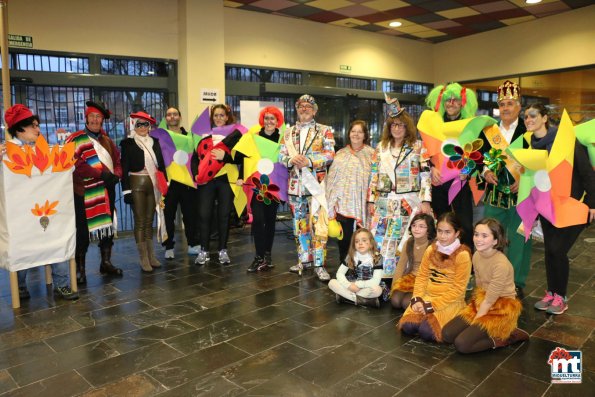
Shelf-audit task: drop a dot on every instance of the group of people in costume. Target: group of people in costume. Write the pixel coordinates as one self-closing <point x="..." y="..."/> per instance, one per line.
<point x="402" y="213"/>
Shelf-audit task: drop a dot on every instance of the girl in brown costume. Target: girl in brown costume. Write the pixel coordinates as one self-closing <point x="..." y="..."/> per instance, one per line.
<point x="423" y="233"/>
<point x="439" y="291"/>
<point x="490" y="319"/>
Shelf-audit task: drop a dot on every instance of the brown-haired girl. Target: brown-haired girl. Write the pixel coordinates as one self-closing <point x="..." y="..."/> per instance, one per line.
<point x="358" y="279"/>
<point x="490" y="319"/>
<point x="440" y="284"/>
<point x="423" y="233"/>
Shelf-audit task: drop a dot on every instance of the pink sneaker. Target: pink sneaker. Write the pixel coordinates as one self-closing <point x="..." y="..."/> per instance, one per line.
<point x="558" y="305"/>
<point x="544" y="303"/>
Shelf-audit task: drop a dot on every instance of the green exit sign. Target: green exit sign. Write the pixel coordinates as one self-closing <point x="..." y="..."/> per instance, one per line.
<point x="345" y="68"/>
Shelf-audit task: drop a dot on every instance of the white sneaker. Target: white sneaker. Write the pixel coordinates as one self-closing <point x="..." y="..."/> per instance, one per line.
<point x="299" y="267"/>
<point x="169" y="254"/>
<point x="194" y="250"/>
<point x="202" y="258"/>
<point x="322" y="273"/>
<point x="223" y="257"/>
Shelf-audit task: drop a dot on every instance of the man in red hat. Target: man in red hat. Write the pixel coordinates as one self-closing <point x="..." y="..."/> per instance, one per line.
<point x="23" y="127"/>
<point x="97" y="172"/>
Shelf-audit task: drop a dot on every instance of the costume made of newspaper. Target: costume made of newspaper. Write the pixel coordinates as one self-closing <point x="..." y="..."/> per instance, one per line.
<point x="399" y="183"/>
<point x="306" y="189"/>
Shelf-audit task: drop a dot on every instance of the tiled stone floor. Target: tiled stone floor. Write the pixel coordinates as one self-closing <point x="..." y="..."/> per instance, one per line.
<point x="216" y="330"/>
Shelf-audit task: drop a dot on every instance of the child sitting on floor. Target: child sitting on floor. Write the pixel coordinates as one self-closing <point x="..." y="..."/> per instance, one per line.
<point x="423" y="233"/>
<point x="490" y="319"/>
<point x="358" y="280"/>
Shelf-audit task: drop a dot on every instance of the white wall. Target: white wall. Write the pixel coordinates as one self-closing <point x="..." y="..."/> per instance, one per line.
<point x="555" y="42"/>
<point x="258" y="39"/>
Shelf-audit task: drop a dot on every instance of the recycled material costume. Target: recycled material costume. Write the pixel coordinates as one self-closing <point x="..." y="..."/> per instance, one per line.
<point x="499" y="201"/>
<point x="347" y="189"/>
<point x="399" y="183"/>
<point x="97" y="172"/>
<point x="306" y="189"/>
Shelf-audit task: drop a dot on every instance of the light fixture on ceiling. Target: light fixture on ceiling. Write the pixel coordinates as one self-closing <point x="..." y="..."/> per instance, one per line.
<point x="532" y="1"/>
<point x="395" y="24"/>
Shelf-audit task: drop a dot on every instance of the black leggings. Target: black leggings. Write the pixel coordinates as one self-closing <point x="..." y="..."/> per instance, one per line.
<point x="187" y="197"/>
<point x="466" y="338"/>
<point x="217" y="189"/>
<point x="401" y="300"/>
<point x="423" y="329"/>
<point x="263" y="225"/>
<point x="462" y="205"/>
<point x="347" y="225"/>
<point x="557" y="242"/>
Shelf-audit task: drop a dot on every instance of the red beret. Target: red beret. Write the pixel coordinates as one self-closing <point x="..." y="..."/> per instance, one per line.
<point x="16" y="113"/>
<point x="144" y="116"/>
<point x="95" y="107"/>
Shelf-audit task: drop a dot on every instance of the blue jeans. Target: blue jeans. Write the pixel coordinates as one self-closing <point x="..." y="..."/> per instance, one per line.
<point x="59" y="275"/>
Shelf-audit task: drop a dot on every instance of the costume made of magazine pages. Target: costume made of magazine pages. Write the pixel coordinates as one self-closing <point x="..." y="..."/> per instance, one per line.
<point x="306" y="190"/>
<point x="441" y="283"/>
<point x="400" y="181"/>
<point x="347" y="190"/>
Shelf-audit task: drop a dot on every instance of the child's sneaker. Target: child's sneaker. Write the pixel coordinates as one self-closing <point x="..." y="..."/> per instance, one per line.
<point x="169" y="254"/>
<point x="558" y="305"/>
<point x="258" y="264"/>
<point x="545" y="302"/>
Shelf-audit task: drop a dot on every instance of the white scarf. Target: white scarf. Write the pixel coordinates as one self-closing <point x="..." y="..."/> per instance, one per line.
<point x="449" y="249"/>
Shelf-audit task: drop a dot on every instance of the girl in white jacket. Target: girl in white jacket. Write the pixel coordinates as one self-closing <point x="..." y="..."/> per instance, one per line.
<point x="358" y="280"/>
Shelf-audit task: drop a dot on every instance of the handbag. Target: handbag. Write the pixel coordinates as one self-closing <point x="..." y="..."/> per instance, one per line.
<point x="161" y="182"/>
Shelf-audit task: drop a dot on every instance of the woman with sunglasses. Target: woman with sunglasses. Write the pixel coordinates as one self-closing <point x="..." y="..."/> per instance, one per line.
<point x="141" y="162"/>
<point x="400" y="184"/>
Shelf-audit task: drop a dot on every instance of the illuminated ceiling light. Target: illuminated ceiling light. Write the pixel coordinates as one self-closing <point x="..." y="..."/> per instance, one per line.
<point x="395" y="24"/>
<point x="532" y="1"/>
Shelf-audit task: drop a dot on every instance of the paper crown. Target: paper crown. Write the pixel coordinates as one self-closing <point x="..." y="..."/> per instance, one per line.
<point x="509" y="90"/>
<point x="394" y="107"/>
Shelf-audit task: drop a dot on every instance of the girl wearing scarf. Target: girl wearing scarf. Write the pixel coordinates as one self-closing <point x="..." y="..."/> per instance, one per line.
<point x="440" y="284"/>
<point x="141" y="162"/>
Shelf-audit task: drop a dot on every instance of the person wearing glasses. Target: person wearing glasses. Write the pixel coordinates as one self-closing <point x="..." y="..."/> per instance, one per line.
<point x="97" y="171"/>
<point x="400" y="184"/>
<point x="307" y="150"/>
<point x="453" y="102"/>
<point x="141" y="161"/>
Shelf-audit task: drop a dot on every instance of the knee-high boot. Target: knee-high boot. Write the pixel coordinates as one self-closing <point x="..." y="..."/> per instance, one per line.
<point x="145" y="264"/>
<point x="106" y="266"/>
<point x="81" y="276"/>
<point x="151" y="254"/>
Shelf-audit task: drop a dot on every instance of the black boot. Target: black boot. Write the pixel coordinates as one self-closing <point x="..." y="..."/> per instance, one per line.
<point x="81" y="276"/>
<point x="106" y="266"/>
<point x="370" y="302"/>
